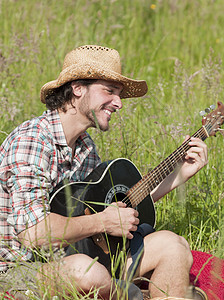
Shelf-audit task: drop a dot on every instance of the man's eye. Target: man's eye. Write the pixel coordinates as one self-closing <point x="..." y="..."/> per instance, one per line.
<point x="110" y="91"/>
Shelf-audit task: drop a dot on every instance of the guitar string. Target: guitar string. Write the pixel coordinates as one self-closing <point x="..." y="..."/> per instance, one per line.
<point x="141" y="187"/>
<point x="160" y="173"/>
<point x="157" y="175"/>
<point x="161" y="167"/>
<point x="144" y="188"/>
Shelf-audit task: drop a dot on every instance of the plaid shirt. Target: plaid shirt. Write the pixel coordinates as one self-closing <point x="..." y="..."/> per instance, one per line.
<point x="34" y="159"/>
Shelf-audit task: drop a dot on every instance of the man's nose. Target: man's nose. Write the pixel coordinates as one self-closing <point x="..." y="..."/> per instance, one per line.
<point x="117" y="102"/>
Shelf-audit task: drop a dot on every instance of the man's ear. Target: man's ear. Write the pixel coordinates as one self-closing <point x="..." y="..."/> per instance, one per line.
<point x="77" y="89"/>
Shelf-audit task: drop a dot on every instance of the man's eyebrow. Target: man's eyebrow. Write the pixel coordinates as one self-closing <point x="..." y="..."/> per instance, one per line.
<point x="115" y="86"/>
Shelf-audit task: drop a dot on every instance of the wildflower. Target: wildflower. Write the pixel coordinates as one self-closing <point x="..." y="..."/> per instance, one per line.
<point x="153" y="6"/>
<point x="29" y="293"/>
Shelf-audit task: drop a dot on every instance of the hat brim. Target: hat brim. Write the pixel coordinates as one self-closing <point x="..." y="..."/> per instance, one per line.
<point x="131" y="88"/>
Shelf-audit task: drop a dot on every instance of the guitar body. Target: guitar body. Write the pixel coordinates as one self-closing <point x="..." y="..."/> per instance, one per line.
<point x="109" y="182"/>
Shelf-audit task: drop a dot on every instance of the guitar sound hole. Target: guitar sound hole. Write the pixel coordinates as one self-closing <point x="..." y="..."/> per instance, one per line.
<point x="118" y="197"/>
<point x="121" y="197"/>
<point x="117" y="193"/>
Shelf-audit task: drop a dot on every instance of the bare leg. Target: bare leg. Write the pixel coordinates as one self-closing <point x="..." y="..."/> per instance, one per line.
<point x="169" y="257"/>
<point x="75" y="272"/>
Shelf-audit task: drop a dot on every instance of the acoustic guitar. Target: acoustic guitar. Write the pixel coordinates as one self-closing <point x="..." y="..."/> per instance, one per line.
<point x="120" y="180"/>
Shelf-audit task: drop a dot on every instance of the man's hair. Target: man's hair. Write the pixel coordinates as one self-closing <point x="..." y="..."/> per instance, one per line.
<point x="64" y="94"/>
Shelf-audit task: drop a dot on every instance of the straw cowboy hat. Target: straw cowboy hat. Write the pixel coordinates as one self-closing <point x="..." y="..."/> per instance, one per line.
<point x="95" y="62"/>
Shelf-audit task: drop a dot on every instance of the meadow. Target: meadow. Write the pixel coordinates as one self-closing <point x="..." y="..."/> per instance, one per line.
<point x="176" y="46"/>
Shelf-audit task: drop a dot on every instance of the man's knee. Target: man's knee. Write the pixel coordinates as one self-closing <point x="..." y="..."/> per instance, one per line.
<point x="176" y="247"/>
<point x="168" y="245"/>
<point x="87" y="272"/>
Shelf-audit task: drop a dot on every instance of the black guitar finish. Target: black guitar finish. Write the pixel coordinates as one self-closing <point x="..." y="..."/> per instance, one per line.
<point x="109" y="182"/>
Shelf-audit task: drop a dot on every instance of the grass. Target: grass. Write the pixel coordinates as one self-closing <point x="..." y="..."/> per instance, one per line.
<point x="176" y="46"/>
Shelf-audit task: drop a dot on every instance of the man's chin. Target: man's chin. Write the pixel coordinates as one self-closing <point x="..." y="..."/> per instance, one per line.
<point x="104" y="127"/>
<point x="101" y="127"/>
<point x="96" y="124"/>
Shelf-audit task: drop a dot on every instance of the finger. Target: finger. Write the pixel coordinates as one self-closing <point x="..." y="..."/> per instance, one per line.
<point x="197" y="141"/>
<point x="192" y="155"/>
<point x="136" y="213"/>
<point x="196" y="157"/>
<point x="129" y="236"/>
<point x="199" y="145"/>
<point x="196" y="150"/>
<point x="132" y="212"/>
<point x="134" y="228"/>
<point x="199" y="150"/>
<point x="120" y="204"/>
<point x="134" y="221"/>
<point x="137" y="221"/>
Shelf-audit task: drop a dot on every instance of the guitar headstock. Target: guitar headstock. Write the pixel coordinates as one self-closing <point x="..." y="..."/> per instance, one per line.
<point x="214" y="119"/>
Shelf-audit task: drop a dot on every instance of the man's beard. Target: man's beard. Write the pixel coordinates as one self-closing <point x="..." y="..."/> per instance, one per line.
<point x="91" y="116"/>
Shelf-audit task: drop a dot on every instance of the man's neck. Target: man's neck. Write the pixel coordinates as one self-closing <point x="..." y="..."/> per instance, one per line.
<point x="72" y="125"/>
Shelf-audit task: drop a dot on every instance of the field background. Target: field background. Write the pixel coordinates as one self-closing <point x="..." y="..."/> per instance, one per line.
<point x="176" y="46"/>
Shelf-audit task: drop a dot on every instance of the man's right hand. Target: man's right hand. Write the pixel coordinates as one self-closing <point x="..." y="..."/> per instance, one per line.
<point x="116" y="219"/>
<point x="120" y="220"/>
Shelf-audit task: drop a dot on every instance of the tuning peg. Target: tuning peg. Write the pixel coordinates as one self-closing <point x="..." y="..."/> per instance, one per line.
<point x="207" y="110"/>
<point x="202" y="113"/>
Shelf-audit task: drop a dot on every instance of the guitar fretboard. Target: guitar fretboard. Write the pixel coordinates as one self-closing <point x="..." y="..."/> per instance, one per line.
<point x="150" y="181"/>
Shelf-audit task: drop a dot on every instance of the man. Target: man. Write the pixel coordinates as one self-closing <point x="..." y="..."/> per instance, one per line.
<point x="38" y="155"/>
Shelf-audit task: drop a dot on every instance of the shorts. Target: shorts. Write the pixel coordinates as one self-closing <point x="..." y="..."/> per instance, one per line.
<point x="135" y="249"/>
<point x="20" y="280"/>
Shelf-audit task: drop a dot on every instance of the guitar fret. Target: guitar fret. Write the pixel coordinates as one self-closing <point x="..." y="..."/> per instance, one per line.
<point x="160" y="177"/>
<point x="166" y="168"/>
<point x="150" y="181"/>
<point x="156" y="176"/>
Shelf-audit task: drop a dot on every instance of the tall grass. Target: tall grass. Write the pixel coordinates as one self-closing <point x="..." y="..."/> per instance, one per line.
<point x="176" y="46"/>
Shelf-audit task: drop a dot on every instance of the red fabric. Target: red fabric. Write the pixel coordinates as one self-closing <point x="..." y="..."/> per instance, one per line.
<point x="8" y="296"/>
<point x="207" y="272"/>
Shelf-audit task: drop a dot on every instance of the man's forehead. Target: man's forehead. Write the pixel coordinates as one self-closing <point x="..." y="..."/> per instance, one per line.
<point x="113" y="84"/>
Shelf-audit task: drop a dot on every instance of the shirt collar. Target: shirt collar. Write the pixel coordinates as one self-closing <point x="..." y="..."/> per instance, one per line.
<point x="56" y="127"/>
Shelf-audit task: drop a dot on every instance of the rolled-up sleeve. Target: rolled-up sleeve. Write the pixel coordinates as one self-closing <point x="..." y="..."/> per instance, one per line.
<point x="28" y="181"/>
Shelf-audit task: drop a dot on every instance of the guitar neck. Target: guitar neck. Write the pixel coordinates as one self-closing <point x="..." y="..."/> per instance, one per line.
<point x="150" y="181"/>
